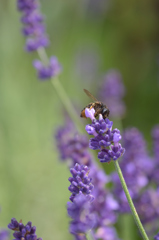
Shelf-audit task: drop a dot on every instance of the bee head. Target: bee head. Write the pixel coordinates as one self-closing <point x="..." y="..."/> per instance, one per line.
<point x="105" y="112"/>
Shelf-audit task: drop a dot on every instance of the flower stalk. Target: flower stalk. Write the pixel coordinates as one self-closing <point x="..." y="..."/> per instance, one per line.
<point x="67" y="103"/>
<point x="61" y="92"/>
<point x="132" y="207"/>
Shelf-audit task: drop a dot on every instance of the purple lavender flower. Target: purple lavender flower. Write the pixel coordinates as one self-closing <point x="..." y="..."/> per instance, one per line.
<point x="112" y="91"/>
<point x="82" y="219"/>
<point x="34" y="30"/>
<point x="104" y="137"/>
<point x="105" y="208"/>
<point x="136" y="167"/>
<point x="104" y="205"/>
<point x="156" y="237"/>
<point x="105" y="233"/>
<point x="74" y="147"/>
<point x="80" y="182"/>
<point x="147" y="206"/>
<point x="155" y="137"/>
<point x="34" y="27"/>
<point x="26" y="232"/>
<point x="51" y="70"/>
<point x="4" y="234"/>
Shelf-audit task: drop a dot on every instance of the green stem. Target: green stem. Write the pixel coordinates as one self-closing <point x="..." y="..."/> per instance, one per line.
<point x="61" y="93"/>
<point x="89" y="235"/>
<point x="67" y="103"/>
<point x="132" y="207"/>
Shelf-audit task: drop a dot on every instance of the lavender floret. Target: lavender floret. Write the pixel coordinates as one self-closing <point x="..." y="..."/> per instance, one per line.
<point x="26" y="232"/>
<point x="80" y="182"/>
<point x="14" y="224"/>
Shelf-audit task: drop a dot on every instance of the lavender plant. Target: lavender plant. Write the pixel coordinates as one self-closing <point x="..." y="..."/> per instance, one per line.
<point x="104" y="136"/>
<point x="37" y="40"/>
<point x="74" y="147"/>
<point x="140" y="172"/>
<point x="136" y="166"/>
<point x="92" y="207"/>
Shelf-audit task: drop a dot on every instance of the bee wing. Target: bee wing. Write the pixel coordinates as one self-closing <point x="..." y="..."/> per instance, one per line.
<point x="90" y="95"/>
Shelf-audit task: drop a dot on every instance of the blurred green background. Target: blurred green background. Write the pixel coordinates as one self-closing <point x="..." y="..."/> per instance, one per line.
<point x="89" y="37"/>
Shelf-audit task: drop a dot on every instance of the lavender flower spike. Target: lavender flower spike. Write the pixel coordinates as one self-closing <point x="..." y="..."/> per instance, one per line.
<point x="105" y="139"/>
<point x="26" y="232"/>
<point x="34" y="27"/>
<point x="34" y="30"/>
<point x="80" y="182"/>
<point x="82" y="219"/>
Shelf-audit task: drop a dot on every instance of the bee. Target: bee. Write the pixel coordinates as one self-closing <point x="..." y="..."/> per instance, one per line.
<point x="98" y="106"/>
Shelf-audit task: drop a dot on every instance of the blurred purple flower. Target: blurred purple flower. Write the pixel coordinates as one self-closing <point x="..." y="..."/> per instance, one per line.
<point x="104" y="137"/>
<point x="72" y="146"/>
<point x="155" y="137"/>
<point x="147" y="206"/>
<point x="4" y="234"/>
<point x="82" y="219"/>
<point x="156" y="237"/>
<point x="104" y="207"/>
<point x="112" y="91"/>
<point x="26" y="232"/>
<point x="106" y="233"/>
<point x="46" y="72"/>
<point x="34" y="30"/>
<point x="80" y="182"/>
<point x="34" y="27"/>
<point x="136" y="167"/>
